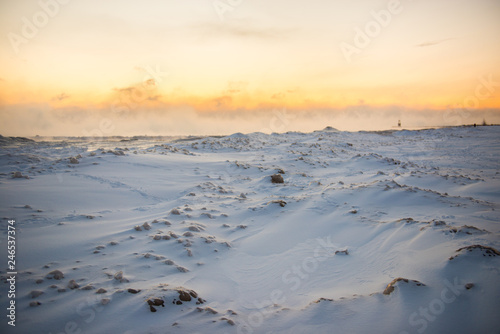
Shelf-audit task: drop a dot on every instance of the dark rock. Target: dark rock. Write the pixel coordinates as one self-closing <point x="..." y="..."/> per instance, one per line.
<point x="133" y="291"/>
<point x="280" y="202"/>
<point x="156" y="302"/>
<point x="182" y="269"/>
<point x="277" y="178"/>
<point x="439" y="222"/>
<point x="19" y="175"/>
<point x="184" y="296"/>
<point x="36" y="293"/>
<point x="55" y="274"/>
<point x="322" y="299"/>
<point x="73" y="285"/>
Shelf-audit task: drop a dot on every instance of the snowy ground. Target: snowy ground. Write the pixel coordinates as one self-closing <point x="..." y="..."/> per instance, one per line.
<point x="167" y="221"/>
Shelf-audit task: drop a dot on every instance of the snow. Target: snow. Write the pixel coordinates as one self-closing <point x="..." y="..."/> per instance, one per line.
<point x="261" y="257"/>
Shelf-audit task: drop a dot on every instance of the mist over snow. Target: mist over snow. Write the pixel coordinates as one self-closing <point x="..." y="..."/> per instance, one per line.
<point x="31" y="120"/>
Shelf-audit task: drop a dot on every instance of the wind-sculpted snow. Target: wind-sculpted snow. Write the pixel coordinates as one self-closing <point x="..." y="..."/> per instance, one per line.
<point x="324" y="232"/>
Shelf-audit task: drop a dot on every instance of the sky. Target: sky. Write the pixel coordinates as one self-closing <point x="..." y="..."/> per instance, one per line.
<point x="171" y="67"/>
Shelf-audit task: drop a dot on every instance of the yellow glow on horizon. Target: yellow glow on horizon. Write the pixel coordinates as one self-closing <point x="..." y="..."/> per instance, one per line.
<point x="94" y="57"/>
<point x="238" y="97"/>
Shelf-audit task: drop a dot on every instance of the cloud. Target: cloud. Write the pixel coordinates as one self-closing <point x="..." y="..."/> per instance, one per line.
<point x="60" y="97"/>
<point x="235" y="87"/>
<point x="139" y="92"/>
<point x="125" y="89"/>
<point x="154" y="98"/>
<point x="237" y="30"/>
<point x="278" y="96"/>
<point x="222" y="101"/>
<point x="432" y="43"/>
<point x="283" y="94"/>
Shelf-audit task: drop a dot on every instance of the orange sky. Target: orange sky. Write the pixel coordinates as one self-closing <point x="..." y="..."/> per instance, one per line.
<point x="228" y="65"/>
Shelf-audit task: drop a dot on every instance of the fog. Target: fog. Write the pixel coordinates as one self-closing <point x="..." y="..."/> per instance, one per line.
<point x="29" y="120"/>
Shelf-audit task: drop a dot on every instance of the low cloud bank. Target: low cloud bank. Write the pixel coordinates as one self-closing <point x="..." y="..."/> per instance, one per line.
<point x="31" y="120"/>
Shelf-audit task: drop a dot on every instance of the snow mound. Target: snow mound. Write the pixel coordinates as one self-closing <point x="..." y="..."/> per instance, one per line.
<point x="398" y="282"/>
<point x="476" y="251"/>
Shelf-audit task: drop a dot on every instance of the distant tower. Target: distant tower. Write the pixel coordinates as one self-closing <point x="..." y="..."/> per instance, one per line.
<point x="399" y="123"/>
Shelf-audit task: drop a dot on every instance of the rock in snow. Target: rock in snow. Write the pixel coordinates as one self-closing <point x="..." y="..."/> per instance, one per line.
<point x="277" y="178"/>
